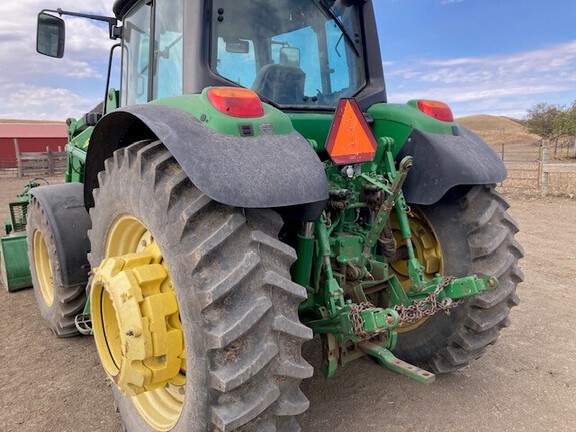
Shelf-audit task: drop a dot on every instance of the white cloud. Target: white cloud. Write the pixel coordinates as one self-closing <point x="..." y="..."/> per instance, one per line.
<point x="489" y="83"/>
<point x="23" y="101"/>
<point x="41" y="85"/>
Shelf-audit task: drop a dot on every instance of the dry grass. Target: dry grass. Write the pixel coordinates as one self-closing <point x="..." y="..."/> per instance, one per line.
<point x="498" y="130"/>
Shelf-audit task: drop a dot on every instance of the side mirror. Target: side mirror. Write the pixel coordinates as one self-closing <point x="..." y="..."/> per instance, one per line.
<point x="290" y="56"/>
<point x="50" y="35"/>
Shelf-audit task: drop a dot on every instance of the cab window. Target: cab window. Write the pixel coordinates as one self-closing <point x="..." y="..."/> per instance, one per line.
<point x="169" y="52"/>
<point x="135" y="55"/>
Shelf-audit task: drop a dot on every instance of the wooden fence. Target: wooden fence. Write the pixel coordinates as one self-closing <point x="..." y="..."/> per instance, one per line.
<point x="548" y="167"/>
<point x="534" y="170"/>
<point x="524" y="168"/>
<point x="562" y="147"/>
<point x="8" y="166"/>
<point x="33" y="164"/>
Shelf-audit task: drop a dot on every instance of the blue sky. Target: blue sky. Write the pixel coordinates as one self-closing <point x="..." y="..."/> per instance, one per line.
<point x="481" y="56"/>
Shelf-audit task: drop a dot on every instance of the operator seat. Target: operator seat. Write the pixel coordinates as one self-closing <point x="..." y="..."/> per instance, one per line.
<point x="282" y="84"/>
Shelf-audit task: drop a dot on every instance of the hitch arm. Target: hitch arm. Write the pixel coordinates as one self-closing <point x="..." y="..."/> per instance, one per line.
<point x="385" y="209"/>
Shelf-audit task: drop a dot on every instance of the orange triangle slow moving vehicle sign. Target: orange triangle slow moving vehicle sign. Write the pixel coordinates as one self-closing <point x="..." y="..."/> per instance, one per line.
<point x="350" y="140"/>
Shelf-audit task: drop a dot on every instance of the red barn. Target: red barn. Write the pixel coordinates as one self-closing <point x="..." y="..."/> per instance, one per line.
<point x="32" y="137"/>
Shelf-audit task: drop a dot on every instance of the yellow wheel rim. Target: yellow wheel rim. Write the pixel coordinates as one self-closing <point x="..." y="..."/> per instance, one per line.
<point x="136" y="323"/>
<point x="427" y="249"/>
<point x="43" y="268"/>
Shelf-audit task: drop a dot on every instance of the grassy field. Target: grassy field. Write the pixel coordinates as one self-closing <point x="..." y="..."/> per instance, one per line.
<point x="498" y="130"/>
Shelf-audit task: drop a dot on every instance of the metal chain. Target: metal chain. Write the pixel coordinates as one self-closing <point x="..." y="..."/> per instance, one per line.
<point x="357" y="321"/>
<point x="428" y="306"/>
<point x="415" y="312"/>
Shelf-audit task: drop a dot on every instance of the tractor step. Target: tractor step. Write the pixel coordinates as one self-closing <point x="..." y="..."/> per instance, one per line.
<point x="83" y="323"/>
<point x="386" y="358"/>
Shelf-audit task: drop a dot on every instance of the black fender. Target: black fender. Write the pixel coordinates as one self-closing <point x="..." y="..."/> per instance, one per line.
<point x="442" y="162"/>
<point x="255" y="172"/>
<point x="69" y="221"/>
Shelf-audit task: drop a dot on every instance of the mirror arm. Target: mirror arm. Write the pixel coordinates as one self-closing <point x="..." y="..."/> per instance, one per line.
<point x="115" y="32"/>
<point x="110" y="59"/>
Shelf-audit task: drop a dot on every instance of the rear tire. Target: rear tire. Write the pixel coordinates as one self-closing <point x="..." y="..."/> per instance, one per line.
<point x="476" y="236"/>
<point x="237" y="303"/>
<point x="58" y="304"/>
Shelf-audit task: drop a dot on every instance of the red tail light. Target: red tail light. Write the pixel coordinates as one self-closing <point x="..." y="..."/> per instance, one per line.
<point x="236" y="102"/>
<point x="438" y="110"/>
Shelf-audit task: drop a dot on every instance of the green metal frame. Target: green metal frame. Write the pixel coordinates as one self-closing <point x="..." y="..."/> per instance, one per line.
<point x="340" y="263"/>
<point x="14" y="266"/>
<point x="14" y="269"/>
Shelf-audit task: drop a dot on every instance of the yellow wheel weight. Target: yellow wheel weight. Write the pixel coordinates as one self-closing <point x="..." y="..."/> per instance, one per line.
<point x="136" y="324"/>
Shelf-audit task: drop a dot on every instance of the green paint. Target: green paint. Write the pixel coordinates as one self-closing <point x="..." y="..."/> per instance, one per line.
<point x="469" y="286"/>
<point x="394" y="121"/>
<point x="303" y="267"/>
<point x="313" y="126"/>
<point x="14" y="268"/>
<point x="386" y="358"/>
<point x="273" y="122"/>
<point x="399" y="120"/>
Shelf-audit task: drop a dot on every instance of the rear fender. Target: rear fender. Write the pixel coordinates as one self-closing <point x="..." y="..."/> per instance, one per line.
<point x="442" y="162"/>
<point x="63" y="205"/>
<point x="446" y="154"/>
<point x="264" y="171"/>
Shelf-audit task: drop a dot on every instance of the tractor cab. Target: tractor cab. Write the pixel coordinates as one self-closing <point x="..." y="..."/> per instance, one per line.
<point x="296" y="55"/>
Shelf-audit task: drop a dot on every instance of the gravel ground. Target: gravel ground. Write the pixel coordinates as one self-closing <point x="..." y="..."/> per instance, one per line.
<point x="526" y="382"/>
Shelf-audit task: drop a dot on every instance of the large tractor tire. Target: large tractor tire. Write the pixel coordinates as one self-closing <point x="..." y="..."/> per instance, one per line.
<point x="58" y="303"/>
<point x="459" y="236"/>
<point x="194" y="312"/>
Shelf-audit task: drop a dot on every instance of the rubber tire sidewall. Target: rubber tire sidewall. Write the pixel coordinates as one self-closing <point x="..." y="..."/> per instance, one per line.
<point x="53" y="314"/>
<point x="125" y="199"/>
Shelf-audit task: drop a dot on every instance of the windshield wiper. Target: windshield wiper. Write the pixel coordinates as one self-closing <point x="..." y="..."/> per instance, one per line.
<point x="328" y="12"/>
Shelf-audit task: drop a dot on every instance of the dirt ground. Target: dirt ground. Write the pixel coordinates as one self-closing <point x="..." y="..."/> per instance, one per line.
<point x="527" y="382"/>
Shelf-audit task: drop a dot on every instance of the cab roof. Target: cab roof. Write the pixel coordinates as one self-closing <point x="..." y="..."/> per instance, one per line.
<point x="121" y="7"/>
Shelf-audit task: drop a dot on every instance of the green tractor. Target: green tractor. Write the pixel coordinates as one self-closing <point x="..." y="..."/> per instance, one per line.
<point x="250" y="187"/>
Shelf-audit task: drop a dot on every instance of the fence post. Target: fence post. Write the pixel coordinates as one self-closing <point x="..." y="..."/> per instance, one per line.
<point x="502" y="161"/>
<point x="574" y="147"/>
<point x="545" y="160"/>
<point x="50" y="156"/>
<point x="18" y="162"/>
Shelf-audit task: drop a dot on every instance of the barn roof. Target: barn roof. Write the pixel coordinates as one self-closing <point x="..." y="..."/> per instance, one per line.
<point x="33" y="130"/>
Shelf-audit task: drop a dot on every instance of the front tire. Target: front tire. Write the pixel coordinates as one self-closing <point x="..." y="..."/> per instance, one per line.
<point x="58" y="303"/>
<point x="237" y="304"/>
<point x="476" y="236"/>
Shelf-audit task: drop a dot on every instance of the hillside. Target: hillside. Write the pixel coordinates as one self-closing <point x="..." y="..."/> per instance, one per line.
<point x="498" y="130"/>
